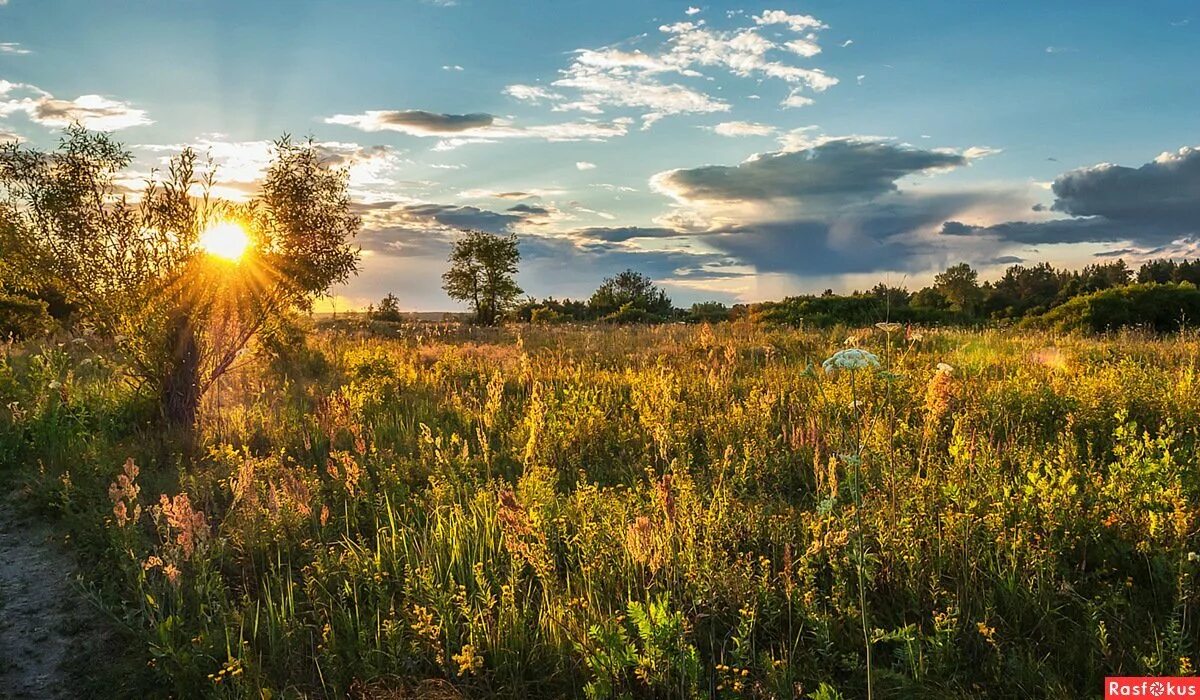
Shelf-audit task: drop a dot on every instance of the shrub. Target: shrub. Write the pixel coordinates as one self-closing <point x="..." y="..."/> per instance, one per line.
<point x="1163" y="308"/>
<point x="22" y="317"/>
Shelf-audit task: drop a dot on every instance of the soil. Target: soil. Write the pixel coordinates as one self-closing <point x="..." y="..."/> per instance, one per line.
<point x="44" y="619"/>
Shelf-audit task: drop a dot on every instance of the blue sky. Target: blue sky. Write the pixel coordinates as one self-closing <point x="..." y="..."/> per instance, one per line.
<point x="732" y="151"/>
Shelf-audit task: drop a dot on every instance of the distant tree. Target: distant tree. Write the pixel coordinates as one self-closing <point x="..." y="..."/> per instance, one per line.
<point x="930" y="298"/>
<point x="135" y="271"/>
<point x="959" y="284"/>
<point x="1023" y="290"/>
<point x="565" y="310"/>
<point x="1157" y="271"/>
<point x="633" y="290"/>
<point x="388" y="309"/>
<point x="891" y="298"/>
<point x="708" y="312"/>
<point x="482" y="266"/>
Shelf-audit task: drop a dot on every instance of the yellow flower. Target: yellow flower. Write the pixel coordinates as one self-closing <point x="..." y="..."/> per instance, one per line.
<point x="468" y="661"/>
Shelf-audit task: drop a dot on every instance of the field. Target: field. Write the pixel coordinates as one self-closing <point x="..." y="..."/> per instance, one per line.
<point x="432" y="510"/>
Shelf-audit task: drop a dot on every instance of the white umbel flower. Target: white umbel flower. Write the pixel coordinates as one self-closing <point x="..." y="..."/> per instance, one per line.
<point x="851" y="359"/>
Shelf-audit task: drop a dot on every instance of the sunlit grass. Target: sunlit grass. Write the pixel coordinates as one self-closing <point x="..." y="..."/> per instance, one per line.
<point x="660" y="511"/>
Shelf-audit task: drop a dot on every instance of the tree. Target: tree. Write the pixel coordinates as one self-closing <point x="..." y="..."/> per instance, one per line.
<point x="633" y="290"/>
<point x="1023" y="290"/>
<point x="389" y="309"/>
<point x="135" y="270"/>
<point x="959" y="284"/>
<point x="482" y="266"/>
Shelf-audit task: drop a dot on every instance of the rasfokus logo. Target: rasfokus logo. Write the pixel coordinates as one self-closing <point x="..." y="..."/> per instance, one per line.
<point x="1151" y="687"/>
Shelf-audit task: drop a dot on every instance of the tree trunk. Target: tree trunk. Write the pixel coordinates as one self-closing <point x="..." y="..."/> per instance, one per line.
<point x="181" y="386"/>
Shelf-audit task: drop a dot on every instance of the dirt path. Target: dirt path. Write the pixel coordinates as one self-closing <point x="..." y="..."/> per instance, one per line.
<point x="40" y="611"/>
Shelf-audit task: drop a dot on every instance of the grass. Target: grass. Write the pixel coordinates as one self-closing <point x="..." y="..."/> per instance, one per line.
<point x="650" y="512"/>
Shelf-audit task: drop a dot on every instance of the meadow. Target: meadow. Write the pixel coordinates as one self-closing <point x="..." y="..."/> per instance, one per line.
<point x="381" y="510"/>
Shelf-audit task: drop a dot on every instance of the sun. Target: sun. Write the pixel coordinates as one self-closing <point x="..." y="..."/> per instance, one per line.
<point x="227" y="239"/>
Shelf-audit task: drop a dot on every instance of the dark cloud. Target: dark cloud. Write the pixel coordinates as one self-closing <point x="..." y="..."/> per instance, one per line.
<point x="417" y="120"/>
<point x="1115" y="253"/>
<point x="1154" y="204"/>
<point x="842" y="169"/>
<point x="836" y="206"/>
<point x="529" y="209"/>
<point x="618" y="234"/>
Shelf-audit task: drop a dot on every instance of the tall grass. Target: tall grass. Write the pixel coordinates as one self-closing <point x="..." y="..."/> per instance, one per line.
<point x="637" y="512"/>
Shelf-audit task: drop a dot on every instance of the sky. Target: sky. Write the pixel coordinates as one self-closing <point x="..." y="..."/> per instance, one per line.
<point x="736" y="152"/>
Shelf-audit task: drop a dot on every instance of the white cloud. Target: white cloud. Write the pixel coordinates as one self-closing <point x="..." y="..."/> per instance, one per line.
<point x="454" y="67"/>
<point x="795" y="100"/>
<point x="847" y="42"/>
<point x="735" y="129"/>
<point x="240" y="165"/>
<point x="653" y="79"/>
<point x="92" y="111"/>
<point x="797" y="23"/>
<point x="531" y="93"/>
<point x="584" y="165"/>
<point x="980" y="152"/>
<point x="13" y="48"/>
<point x="692" y="11"/>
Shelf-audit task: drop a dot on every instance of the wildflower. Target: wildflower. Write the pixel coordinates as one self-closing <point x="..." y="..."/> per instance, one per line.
<point x="152" y="563"/>
<point x="888" y="327"/>
<point x="172" y="573"/>
<point x="945" y="368"/>
<point x="851" y="359"/>
<point x="468" y="661"/>
<point x="1192" y="556"/>
<point x="124" y="494"/>
<point x="191" y="524"/>
<point x="54" y="385"/>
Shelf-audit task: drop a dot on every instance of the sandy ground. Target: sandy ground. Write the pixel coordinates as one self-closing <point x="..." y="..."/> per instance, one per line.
<point x="42" y="615"/>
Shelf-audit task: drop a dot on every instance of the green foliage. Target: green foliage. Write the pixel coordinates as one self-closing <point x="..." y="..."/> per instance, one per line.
<point x="708" y="312"/>
<point x="482" y="266"/>
<point x="959" y="285"/>
<point x="630" y="297"/>
<point x="22" y="317"/>
<point x="646" y="650"/>
<point x="1161" y="308"/>
<point x="546" y="315"/>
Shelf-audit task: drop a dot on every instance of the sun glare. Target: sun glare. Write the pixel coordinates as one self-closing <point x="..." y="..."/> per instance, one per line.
<point x="227" y="240"/>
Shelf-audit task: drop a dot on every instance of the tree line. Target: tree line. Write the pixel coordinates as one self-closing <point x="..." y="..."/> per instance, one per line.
<point x="1161" y="294"/>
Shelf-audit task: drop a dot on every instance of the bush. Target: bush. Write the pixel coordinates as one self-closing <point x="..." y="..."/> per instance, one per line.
<point x="1162" y="308"/>
<point x="708" y="312"/>
<point x="628" y="313"/>
<point x="22" y="317"/>
<point x="546" y="316"/>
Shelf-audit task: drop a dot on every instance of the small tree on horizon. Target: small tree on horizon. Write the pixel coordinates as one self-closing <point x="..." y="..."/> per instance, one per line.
<point x="633" y="291"/>
<point x="388" y="309"/>
<point x="482" y="266"/>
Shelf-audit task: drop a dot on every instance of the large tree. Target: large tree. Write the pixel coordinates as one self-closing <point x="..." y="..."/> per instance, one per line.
<point x="482" y="270"/>
<point x="130" y="259"/>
